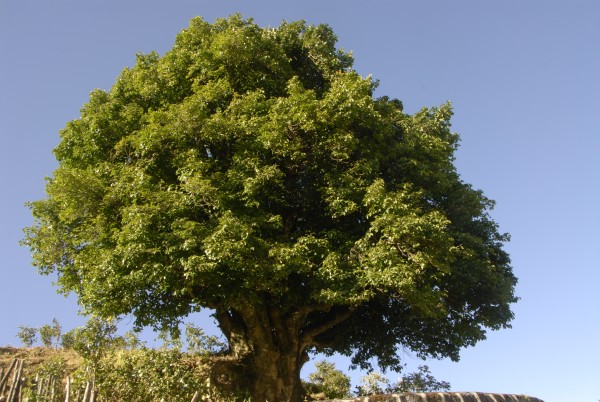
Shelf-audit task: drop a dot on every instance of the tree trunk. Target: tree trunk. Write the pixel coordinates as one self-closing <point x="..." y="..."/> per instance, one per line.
<point x="270" y="350"/>
<point x="276" y="377"/>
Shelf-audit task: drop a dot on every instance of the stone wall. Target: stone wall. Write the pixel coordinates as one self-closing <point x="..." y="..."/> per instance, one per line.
<point x="442" y="397"/>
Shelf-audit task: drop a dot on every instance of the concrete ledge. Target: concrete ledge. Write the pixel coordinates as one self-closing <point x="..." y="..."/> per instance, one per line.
<point x="442" y="397"/>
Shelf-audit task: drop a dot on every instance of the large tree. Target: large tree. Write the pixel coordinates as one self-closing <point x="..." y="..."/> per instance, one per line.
<point x="251" y="171"/>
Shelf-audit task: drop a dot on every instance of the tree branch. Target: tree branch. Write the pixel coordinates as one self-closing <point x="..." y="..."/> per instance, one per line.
<point x="224" y="321"/>
<point x="341" y="316"/>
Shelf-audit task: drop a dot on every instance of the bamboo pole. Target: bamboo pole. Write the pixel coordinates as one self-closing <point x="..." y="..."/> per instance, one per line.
<point x="195" y="397"/>
<point x="43" y="386"/>
<point x="14" y="387"/>
<point x="86" y="393"/>
<point x="19" y="382"/>
<point x="37" y="384"/>
<point x="46" y="388"/>
<point x="20" y="393"/>
<point x="68" y="388"/>
<point x="52" y="388"/>
<point x="4" y="379"/>
<point x="11" y="390"/>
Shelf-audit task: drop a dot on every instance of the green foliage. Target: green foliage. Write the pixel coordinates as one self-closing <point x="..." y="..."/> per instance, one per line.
<point x="45" y="377"/>
<point x="170" y="338"/>
<point x="149" y="375"/>
<point x="373" y="383"/>
<point x="68" y="339"/>
<point x="56" y="332"/>
<point x="200" y="343"/>
<point x="421" y="381"/>
<point x="95" y="339"/>
<point x="121" y="368"/>
<point x="55" y="366"/>
<point x="252" y="171"/>
<point x="27" y="335"/>
<point x="131" y="340"/>
<point x="333" y="383"/>
<point x="50" y="334"/>
<point x="46" y="335"/>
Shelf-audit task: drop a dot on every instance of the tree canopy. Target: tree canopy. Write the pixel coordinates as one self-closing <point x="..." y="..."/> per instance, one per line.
<point x="252" y="171"/>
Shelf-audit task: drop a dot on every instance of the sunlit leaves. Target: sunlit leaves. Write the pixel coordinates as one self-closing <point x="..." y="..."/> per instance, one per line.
<point x="252" y="166"/>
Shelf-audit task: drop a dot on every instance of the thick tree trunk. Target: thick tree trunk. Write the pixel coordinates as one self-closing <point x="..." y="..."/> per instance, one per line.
<point x="276" y="377"/>
<point x="270" y="349"/>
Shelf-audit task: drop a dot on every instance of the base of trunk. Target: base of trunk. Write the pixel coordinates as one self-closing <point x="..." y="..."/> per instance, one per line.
<point x="267" y="345"/>
<point x="278" y="390"/>
<point x="263" y="382"/>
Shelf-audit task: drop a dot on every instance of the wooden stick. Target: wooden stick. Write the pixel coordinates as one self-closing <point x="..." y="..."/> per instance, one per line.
<point x="68" y="388"/>
<point x="52" y="388"/>
<point x="14" y="387"/>
<point x="36" y="383"/>
<point x="19" y="382"/>
<point x="20" y="393"/>
<point x="4" y="379"/>
<point x="11" y="391"/>
<point x="43" y="386"/>
<point x="93" y="393"/>
<point x="86" y="393"/>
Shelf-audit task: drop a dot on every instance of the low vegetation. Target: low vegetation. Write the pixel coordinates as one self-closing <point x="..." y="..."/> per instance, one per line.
<point x="93" y="363"/>
<point x="96" y="364"/>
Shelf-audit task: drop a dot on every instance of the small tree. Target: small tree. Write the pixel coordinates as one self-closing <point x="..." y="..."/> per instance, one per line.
<point x="372" y="384"/>
<point x="56" y="332"/>
<point x="94" y="339"/>
<point x="27" y="335"/>
<point x="68" y="339"/>
<point x="50" y="334"/>
<point x="131" y="340"/>
<point x="329" y="381"/>
<point x="46" y="335"/>
<point x="171" y="338"/>
<point x="199" y="342"/>
<point x="421" y="381"/>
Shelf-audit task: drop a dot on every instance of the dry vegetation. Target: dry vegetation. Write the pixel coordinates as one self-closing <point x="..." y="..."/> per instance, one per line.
<point x="35" y="356"/>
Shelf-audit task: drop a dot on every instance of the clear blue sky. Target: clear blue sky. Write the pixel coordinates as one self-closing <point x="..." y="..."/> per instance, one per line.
<point x="523" y="77"/>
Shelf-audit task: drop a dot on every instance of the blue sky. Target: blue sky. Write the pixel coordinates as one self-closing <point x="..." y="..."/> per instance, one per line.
<point x="523" y="80"/>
